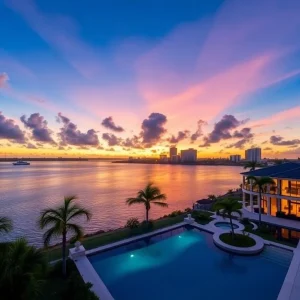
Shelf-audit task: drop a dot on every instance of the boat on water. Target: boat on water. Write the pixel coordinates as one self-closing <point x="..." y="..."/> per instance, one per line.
<point x="21" y="163"/>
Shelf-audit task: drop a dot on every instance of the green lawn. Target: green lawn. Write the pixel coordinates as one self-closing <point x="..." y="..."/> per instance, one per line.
<point x="239" y="240"/>
<point x="114" y="236"/>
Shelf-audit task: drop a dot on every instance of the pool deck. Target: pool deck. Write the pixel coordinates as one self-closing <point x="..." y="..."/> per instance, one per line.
<point x="290" y="289"/>
<point x="291" y="224"/>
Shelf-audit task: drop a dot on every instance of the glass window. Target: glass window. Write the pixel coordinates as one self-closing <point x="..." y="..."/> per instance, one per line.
<point x="285" y="187"/>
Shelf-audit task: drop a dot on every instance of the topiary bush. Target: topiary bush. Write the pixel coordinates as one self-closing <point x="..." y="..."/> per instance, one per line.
<point x="132" y="223"/>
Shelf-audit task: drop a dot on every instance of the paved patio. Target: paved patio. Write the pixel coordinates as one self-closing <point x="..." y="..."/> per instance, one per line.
<point x="290" y="224"/>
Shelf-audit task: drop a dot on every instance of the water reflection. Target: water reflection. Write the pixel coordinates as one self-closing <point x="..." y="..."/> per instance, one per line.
<point x="103" y="187"/>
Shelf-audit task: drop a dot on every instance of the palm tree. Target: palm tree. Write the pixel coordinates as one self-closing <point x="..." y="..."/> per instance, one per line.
<point x="260" y="183"/>
<point x="151" y="194"/>
<point x="226" y="208"/>
<point x="212" y="197"/>
<point x="23" y="270"/>
<point x="60" y="222"/>
<point x="5" y="224"/>
<point x="252" y="165"/>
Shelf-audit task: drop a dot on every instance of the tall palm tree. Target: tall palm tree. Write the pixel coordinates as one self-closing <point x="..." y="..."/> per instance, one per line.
<point x="260" y="183"/>
<point x="5" y="224"/>
<point x="227" y="208"/>
<point x="23" y="269"/>
<point x="252" y="165"/>
<point x="60" y="221"/>
<point x="151" y="194"/>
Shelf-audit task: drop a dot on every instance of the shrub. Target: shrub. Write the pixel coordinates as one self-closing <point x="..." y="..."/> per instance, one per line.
<point x="132" y="223"/>
<point x="175" y="213"/>
<point x="245" y="221"/>
<point x="188" y="210"/>
<point x="77" y="289"/>
<point x="147" y="226"/>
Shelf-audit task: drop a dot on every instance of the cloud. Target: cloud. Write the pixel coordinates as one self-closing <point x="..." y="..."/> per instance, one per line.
<point x="31" y="146"/>
<point x="10" y="131"/>
<point x="198" y="132"/>
<point x="246" y="136"/>
<point x="110" y="124"/>
<point x="3" y="80"/>
<point x="279" y="141"/>
<point x="111" y="139"/>
<point x="153" y="128"/>
<point x="181" y="135"/>
<point x="133" y="142"/>
<point x="70" y="135"/>
<point x="222" y="130"/>
<point x="267" y="149"/>
<point x="39" y="127"/>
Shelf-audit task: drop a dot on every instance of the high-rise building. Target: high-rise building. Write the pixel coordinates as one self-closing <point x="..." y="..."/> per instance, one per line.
<point x="253" y="154"/>
<point x="163" y="158"/>
<point x="173" y="152"/>
<point x="189" y="155"/>
<point x="235" y="158"/>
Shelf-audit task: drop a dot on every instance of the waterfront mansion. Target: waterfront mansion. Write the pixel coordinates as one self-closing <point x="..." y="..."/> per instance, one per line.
<point x="282" y="198"/>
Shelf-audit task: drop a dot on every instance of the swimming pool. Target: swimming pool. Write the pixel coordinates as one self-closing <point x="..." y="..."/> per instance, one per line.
<point x="225" y="225"/>
<point x="185" y="264"/>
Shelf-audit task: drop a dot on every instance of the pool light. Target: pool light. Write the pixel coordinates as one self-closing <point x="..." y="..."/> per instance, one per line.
<point x="132" y="255"/>
<point x="179" y="236"/>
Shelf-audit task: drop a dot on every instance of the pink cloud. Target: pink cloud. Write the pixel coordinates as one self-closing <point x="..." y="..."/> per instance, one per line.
<point x="60" y="33"/>
<point x="3" y="80"/>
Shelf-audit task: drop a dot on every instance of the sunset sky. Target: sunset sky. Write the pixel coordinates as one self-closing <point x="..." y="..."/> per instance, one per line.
<point x="130" y="78"/>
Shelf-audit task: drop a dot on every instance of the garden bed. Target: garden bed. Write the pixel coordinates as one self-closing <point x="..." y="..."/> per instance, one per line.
<point x="239" y="240"/>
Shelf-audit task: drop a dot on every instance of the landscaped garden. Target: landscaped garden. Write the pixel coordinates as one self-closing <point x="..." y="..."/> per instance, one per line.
<point x="238" y="240"/>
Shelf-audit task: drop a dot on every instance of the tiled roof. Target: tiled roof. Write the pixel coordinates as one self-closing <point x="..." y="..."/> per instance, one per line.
<point x="290" y="170"/>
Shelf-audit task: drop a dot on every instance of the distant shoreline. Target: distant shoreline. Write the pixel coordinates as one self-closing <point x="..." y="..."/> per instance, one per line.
<point x="198" y="163"/>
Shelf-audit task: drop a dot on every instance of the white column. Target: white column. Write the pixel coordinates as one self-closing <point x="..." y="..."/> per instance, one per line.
<point x="244" y="200"/>
<point x="268" y="205"/>
<point x="251" y="202"/>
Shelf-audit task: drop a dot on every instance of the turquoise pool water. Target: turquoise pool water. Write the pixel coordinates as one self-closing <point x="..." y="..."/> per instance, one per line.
<point x="225" y="225"/>
<point x="185" y="264"/>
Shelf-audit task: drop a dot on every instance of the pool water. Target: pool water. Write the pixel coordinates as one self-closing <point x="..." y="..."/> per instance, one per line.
<point x="225" y="225"/>
<point x="185" y="264"/>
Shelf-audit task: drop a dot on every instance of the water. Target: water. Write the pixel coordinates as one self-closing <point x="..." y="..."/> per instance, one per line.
<point x="191" y="268"/>
<point x="225" y="225"/>
<point x="102" y="187"/>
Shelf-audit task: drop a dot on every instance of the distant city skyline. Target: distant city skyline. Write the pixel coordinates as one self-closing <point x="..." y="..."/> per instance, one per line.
<point x="217" y="76"/>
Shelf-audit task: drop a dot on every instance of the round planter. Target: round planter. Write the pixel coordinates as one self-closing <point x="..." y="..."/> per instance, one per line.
<point x="257" y="248"/>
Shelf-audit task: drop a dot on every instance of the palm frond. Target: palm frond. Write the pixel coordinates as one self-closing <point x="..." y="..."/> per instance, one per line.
<point x="76" y="229"/>
<point x="6" y="224"/>
<point x="161" y="204"/>
<point x="49" y="216"/>
<point x="76" y="211"/>
<point x="136" y="200"/>
<point x="159" y="197"/>
<point x="52" y="232"/>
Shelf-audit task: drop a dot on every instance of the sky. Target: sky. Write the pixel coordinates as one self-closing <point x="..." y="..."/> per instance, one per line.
<point x="131" y="78"/>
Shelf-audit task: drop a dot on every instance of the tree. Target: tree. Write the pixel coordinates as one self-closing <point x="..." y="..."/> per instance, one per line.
<point x="212" y="197"/>
<point x="260" y="183"/>
<point x="5" y="225"/>
<point x="23" y="270"/>
<point x="252" y="165"/>
<point x="226" y="208"/>
<point x="151" y="194"/>
<point x="60" y="222"/>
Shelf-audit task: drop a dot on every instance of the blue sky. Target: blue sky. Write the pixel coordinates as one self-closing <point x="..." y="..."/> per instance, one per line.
<point x="162" y="70"/>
